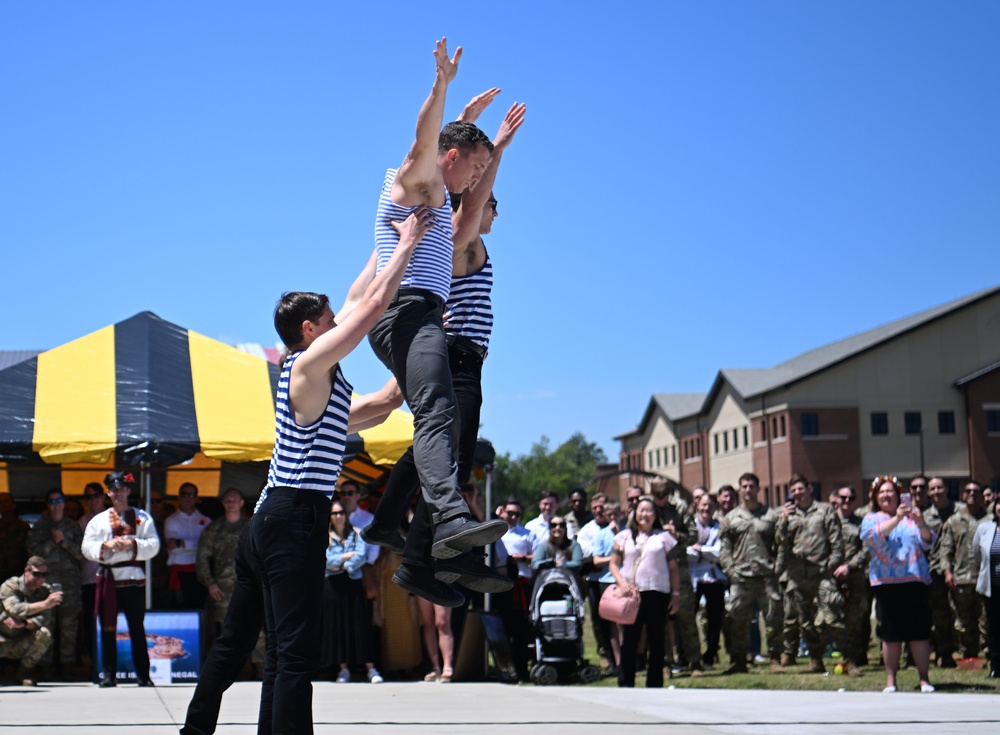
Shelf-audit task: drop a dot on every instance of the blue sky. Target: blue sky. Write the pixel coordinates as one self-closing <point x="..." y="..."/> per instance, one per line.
<point x="696" y="186"/>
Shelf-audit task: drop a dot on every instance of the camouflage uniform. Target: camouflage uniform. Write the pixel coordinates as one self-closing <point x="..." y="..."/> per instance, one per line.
<point x="64" y="568"/>
<point x="21" y="643"/>
<point x="679" y="512"/>
<point x="957" y="556"/>
<point x="747" y="558"/>
<point x="13" y="546"/>
<point x="942" y="620"/>
<point x="856" y="591"/>
<point x="216" y="560"/>
<point x="815" y="548"/>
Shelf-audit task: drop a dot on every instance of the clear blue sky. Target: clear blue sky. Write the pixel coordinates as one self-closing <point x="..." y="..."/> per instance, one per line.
<point x="696" y="186"/>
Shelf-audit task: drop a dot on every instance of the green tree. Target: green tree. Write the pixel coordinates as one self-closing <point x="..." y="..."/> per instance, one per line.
<point x="570" y="465"/>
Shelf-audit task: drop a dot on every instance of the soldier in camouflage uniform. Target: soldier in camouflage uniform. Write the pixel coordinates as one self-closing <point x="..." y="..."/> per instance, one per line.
<point x="852" y="578"/>
<point x="677" y="518"/>
<point x="57" y="538"/>
<point x="217" y="553"/>
<point x="24" y="604"/>
<point x="811" y="532"/>
<point x="961" y="570"/>
<point x="747" y="558"/>
<point x="13" y="538"/>
<point x="932" y="499"/>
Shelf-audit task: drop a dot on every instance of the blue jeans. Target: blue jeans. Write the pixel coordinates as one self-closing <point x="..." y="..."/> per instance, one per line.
<point x="288" y="537"/>
<point x="229" y="653"/>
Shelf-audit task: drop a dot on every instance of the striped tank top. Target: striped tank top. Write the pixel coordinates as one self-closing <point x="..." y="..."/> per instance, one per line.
<point x="470" y="309"/>
<point x="430" y="265"/>
<point x="308" y="457"/>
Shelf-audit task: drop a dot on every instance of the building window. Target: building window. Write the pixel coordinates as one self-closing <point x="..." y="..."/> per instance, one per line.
<point x="673" y="454"/>
<point x="810" y="424"/>
<point x="697" y="446"/>
<point x="912" y="423"/>
<point x="993" y="422"/>
<point x="946" y="422"/>
<point x="763" y="430"/>
<point x="725" y="441"/>
<point x="746" y="437"/>
<point x="774" y="427"/>
<point x="736" y="440"/>
<point x="715" y="443"/>
<point x="782" y="425"/>
<point x="880" y="423"/>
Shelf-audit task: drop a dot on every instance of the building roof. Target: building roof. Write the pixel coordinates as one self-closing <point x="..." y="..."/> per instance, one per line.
<point x="977" y="374"/>
<point x="12" y="357"/>
<point x="752" y="382"/>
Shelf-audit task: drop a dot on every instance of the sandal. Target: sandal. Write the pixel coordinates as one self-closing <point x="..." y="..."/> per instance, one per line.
<point x="446" y="676"/>
<point x="435" y="675"/>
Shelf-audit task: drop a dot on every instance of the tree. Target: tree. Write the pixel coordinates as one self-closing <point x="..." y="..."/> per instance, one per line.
<point x="569" y="466"/>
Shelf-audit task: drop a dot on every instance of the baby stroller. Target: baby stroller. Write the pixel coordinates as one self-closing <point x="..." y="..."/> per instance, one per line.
<point x="556" y="614"/>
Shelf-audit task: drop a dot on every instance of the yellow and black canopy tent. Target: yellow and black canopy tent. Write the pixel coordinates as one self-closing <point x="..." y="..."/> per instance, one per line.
<point x="147" y="393"/>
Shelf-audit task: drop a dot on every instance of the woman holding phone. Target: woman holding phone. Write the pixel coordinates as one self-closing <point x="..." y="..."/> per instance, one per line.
<point x="898" y="541"/>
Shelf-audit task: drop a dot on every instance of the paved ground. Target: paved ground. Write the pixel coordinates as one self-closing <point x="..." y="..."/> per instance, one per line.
<point x="497" y="709"/>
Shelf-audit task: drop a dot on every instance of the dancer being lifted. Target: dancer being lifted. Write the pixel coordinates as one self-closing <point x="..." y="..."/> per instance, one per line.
<point x="409" y="338"/>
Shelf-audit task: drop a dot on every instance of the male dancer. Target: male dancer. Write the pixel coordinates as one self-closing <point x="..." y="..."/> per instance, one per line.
<point x="410" y="338"/>
<point x="470" y="322"/>
<point x="281" y="556"/>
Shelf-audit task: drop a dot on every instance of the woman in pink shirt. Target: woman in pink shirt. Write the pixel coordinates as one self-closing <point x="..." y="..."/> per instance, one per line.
<point x="640" y="567"/>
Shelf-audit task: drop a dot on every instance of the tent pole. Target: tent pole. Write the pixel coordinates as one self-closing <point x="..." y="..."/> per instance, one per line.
<point x="147" y="494"/>
<point x="487" y="598"/>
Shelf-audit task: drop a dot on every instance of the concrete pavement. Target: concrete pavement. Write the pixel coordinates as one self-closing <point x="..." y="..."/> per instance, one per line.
<point x="498" y="709"/>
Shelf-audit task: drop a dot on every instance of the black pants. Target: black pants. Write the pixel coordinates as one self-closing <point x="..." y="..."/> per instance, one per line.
<point x="715" y="608"/>
<point x="601" y="627"/>
<point x="288" y="537"/>
<point x="404" y="481"/>
<point x="191" y="595"/>
<point x="653" y="615"/>
<point x="992" y="605"/>
<point x="232" y="649"/>
<point x="410" y="340"/>
<point x="131" y="602"/>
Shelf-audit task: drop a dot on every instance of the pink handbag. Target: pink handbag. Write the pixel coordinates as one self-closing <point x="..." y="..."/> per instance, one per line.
<point x="617" y="608"/>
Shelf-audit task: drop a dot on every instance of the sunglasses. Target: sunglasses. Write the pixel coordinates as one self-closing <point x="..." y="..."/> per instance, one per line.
<point x="493" y="204"/>
<point x="632" y="500"/>
<point x="38" y="574"/>
<point x="557" y="525"/>
<point x="337" y="513"/>
<point x="56" y="501"/>
<point x="188" y="495"/>
<point x="513" y="513"/>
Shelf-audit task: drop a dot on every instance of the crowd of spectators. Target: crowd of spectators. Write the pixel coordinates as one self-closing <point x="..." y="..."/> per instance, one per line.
<point x="707" y="568"/>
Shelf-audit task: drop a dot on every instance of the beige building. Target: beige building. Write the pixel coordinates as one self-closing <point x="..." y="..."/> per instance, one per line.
<point x="921" y="393"/>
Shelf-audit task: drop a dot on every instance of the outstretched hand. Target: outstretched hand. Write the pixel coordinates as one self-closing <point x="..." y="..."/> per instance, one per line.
<point x="413" y="228"/>
<point x="511" y="122"/>
<point x="446" y="68"/>
<point x="478" y="103"/>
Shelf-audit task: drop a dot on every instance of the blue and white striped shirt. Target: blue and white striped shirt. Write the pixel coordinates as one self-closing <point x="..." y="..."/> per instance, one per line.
<point x="308" y="457"/>
<point x="430" y="266"/>
<point x="470" y="309"/>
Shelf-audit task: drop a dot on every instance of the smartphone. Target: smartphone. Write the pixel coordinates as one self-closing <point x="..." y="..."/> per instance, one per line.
<point x="905" y="499"/>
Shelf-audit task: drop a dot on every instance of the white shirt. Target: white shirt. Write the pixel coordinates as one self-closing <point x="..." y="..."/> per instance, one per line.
<point x="587" y="537"/>
<point x="653" y="573"/>
<point x="187" y="529"/>
<point x="147" y="544"/>
<point x="360" y="518"/>
<point x="519" y="540"/>
<point x="540" y="528"/>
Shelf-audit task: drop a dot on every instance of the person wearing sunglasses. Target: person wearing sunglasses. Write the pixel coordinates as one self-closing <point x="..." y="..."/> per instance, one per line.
<point x="57" y="539"/>
<point x="181" y="532"/>
<point x="559" y="550"/>
<point x="25" y="601"/>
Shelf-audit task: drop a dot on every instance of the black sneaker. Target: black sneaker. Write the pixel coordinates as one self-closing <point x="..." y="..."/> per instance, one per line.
<point x="462" y="534"/>
<point x="145" y="682"/>
<point x="106" y="681"/>
<point x="419" y="581"/>
<point x="391" y="540"/>
<point x="469" y="571"/>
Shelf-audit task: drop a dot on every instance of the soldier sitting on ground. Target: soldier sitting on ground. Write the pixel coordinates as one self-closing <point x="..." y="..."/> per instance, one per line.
<point x="24" y="604"/>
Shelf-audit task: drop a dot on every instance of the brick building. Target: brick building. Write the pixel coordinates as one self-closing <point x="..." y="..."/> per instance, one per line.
<point x="922" y="392"/>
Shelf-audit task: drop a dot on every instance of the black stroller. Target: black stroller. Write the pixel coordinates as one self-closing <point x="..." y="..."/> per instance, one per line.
<point x="557" y="615"/>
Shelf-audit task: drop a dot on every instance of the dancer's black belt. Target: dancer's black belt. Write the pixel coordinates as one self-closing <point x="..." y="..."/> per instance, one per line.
<point x="467" y="345"/>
